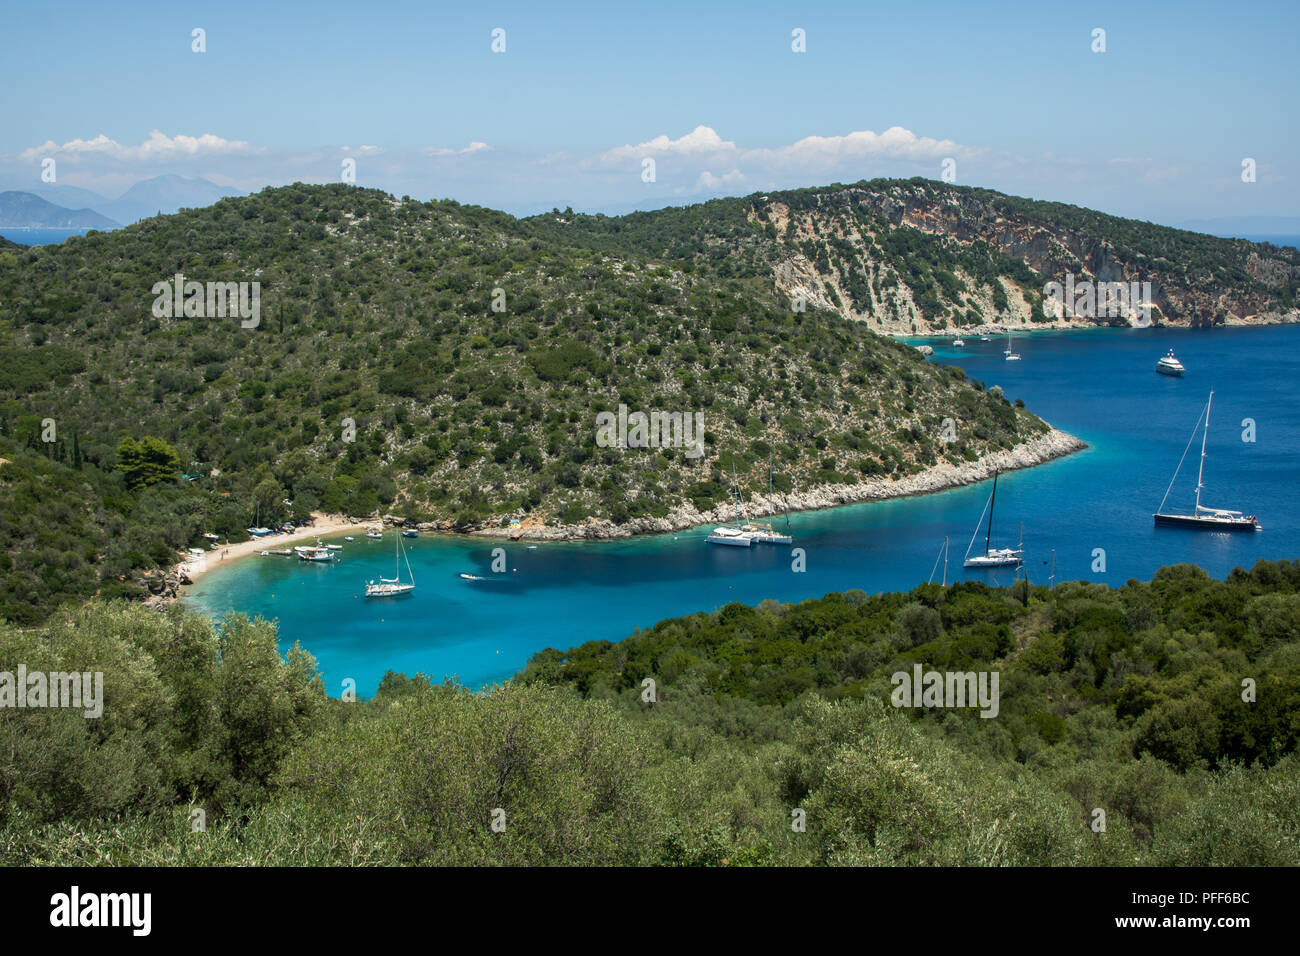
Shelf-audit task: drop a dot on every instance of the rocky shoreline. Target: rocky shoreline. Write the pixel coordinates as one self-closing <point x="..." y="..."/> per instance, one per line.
<point x="941" y="477"/>
<point x="163" y="587"/>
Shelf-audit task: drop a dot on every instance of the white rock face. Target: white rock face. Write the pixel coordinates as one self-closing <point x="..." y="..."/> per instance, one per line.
<point x="940" y="477"/>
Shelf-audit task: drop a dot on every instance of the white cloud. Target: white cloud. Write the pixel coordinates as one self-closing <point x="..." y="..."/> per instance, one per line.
<point x="812" y="154"/>
<point x="701" y="141"/>
<point x="706" y="181"/>
<point x="157" y="147"/>
<point x="474" y="147"/>
<point x="815" y="152"/>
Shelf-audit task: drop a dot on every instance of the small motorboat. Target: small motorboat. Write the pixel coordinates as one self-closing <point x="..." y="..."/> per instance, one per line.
<point x="410" y="534"/>
<point x="372" y="534"/>
<point x="470" y="577"/>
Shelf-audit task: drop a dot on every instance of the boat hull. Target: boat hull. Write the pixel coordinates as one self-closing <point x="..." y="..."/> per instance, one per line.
<point x="384" y="591"/>
<point x="1207" y="522"/>
<point x="992" y="563"/>
<point x="736" y="541"/>
<point x="1175" y="372"/>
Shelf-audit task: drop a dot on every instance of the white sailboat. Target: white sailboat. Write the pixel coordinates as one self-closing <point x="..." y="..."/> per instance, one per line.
<point x="394" y="586"/>
<point x="992" y="557"/>
<point x="763" y="532"/>
<point x="1007" y="353"/>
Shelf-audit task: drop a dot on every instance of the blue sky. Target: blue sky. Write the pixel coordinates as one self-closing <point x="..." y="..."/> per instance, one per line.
<point x="1155" y="127"/>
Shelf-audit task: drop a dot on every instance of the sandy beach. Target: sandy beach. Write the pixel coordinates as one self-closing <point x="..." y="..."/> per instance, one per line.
<point x="227" y="554"/>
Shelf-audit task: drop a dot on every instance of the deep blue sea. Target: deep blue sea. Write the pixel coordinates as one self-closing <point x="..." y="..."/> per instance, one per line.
<point x="1099" y="385"/>
<point x="39" y="237"/>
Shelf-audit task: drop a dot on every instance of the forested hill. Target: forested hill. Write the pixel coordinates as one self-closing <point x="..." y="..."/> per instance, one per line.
<point x="437" y="360"/>
<point x="921" y="256"/>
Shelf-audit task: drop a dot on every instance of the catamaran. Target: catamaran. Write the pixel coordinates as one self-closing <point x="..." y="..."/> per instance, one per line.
<point x="394" y="586"/>
<point x="1169" y="365"/>
<point x="762" y="532"/>
<point x="959" y="343"/>
<point x="732" y="536"/>
<point x="992" y="557"/>
<point x="1202" y="517"/>
<point x="738" y="537"/>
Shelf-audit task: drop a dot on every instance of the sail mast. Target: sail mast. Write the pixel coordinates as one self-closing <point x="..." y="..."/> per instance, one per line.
<point x="769" y="485"/>
<point x="992" y="498"/>
<point x="409" y="572"/>
<point x="1200" y="475"/>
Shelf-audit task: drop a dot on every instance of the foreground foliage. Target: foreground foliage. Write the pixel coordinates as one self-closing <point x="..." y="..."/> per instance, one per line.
<point x="1126" y="700"/>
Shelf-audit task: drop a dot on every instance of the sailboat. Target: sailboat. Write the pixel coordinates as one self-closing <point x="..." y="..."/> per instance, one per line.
<point x="762" y="532"/>
<point x="992" y="557"/>
<point x="1007" y="354"/>
<point x="257" y="531"/>
<point x="1211" y="519"/>
<point x="394" y="586"/>
<point x="737" y="537"/>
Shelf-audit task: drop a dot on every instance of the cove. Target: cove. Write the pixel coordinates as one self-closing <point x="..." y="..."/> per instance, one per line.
<point x="1099" y="385"/>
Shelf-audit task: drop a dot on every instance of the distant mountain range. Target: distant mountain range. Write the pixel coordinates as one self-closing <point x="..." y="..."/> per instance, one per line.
<point x="25" y="210"/>
<point x="162" y="194"/>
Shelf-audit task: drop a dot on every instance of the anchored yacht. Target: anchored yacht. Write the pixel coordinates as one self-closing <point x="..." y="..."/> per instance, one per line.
<point x="1169" y="365"/>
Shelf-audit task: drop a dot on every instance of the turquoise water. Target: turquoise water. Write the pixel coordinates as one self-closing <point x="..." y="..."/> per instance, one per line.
<point x="1098" y="385"/>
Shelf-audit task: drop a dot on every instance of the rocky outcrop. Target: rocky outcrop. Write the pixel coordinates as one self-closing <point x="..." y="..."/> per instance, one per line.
<point x="161" y="587"/>
<point x="1194" y="280"/>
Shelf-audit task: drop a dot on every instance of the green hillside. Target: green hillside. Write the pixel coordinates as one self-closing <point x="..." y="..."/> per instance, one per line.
<point x="380" y="378"/>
